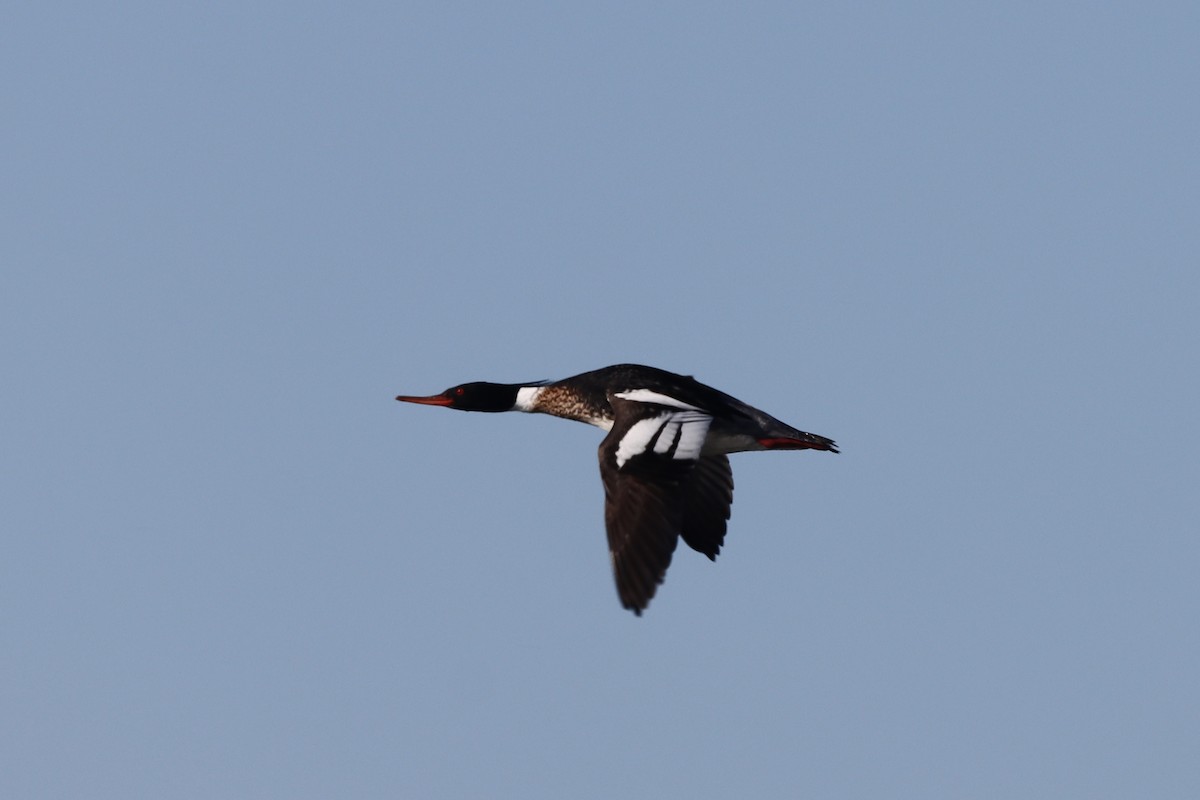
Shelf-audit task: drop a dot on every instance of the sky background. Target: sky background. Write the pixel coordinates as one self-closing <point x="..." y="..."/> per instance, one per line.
<point x="961" y="240"/>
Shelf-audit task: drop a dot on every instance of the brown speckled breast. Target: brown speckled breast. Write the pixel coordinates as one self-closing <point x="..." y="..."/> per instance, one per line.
<point x="562" y="401"/>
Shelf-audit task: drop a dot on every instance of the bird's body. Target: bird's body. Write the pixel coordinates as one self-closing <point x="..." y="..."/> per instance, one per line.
<point x="663" y="461"/>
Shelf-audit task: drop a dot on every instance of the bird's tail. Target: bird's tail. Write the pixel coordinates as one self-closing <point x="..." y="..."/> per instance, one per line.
<point x="804" y="441"/>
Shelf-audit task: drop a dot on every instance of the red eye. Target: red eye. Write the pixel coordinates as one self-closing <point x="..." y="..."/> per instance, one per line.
<point x="459" y="391"/>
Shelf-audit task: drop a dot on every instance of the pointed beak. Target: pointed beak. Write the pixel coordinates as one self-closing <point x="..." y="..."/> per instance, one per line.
<point x="432" y="400"/>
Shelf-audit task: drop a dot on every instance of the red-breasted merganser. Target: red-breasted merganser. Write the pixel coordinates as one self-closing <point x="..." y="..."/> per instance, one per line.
<point x="663" y="461"/>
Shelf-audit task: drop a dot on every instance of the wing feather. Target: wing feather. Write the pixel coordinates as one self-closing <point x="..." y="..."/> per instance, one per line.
<point x="657" y="487"/>
<point x="707" y="497"/>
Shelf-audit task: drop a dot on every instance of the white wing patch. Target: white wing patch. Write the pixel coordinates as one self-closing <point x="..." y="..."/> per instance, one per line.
<point x="684" y="431"/>
<point x="655" y="398"/>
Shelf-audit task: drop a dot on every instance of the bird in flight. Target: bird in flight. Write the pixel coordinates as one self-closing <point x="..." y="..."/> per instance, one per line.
<point x="663" y="463"/>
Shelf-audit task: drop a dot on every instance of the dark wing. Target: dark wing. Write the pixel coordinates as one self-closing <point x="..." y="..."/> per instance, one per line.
<point x="646" y="462"/>
<point x="643" y="520"/>
<point x="707" y="494"/>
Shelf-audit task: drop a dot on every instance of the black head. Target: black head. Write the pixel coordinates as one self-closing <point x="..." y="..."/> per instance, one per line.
<point x="478" y="396"/>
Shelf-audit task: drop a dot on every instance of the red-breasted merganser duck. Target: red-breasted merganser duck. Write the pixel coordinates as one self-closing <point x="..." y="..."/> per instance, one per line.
<point x="663" y="461"/>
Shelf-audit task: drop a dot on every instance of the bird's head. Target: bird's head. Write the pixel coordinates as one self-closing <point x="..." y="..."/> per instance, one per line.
<point x="477" y="396"/>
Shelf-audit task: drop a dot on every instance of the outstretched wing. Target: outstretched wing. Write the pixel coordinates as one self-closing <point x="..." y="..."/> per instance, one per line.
<point x="647" y="462"/>
<point x="707" y="494"/>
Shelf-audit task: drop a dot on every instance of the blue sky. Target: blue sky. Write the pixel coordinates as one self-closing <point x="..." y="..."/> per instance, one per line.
<point x="962" y="241"/>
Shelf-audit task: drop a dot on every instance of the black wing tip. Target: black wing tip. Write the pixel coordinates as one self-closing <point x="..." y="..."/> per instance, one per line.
<point x="636" y="601"/>
<point x="636" y="595"/>
<point x="635" y="604"/>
